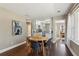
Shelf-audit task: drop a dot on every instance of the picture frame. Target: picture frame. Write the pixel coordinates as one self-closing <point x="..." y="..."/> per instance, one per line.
<point x="16" y="27"/>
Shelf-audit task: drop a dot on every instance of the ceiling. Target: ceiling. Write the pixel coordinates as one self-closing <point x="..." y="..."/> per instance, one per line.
<point x="37" y="10"/>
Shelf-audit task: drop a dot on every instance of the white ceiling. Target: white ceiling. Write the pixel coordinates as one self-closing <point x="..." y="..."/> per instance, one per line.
<point x="37" y="10"/>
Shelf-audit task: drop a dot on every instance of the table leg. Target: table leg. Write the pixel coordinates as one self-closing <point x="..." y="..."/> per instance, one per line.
<point x="43" y="48"/>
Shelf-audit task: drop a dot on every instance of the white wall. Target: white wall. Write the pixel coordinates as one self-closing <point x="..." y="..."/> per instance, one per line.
<point x="6" y="38"/>
<point x="33" y="24"/>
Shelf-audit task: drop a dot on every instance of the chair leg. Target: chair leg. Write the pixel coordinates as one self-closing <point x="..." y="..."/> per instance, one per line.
<point x="36" y="53"/>
<point x="48" y="51"/>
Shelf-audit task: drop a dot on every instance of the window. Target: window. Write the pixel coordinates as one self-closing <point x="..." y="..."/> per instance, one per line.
<point x="72" y="28"/>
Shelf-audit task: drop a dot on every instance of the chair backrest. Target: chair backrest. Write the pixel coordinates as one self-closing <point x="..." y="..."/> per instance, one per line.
<point x="35" y="45"/>
<point x="49" y="41"/>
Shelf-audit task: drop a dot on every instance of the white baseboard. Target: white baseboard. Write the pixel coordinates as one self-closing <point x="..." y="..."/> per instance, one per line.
<point x="74" y="54"/>
<point x="6" y="49"/>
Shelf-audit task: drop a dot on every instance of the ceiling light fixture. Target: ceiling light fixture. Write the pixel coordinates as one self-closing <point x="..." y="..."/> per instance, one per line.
<point x="58" y="11"/>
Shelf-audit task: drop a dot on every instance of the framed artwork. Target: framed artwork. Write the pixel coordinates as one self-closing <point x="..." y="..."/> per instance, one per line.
<point x="16" y="27"/>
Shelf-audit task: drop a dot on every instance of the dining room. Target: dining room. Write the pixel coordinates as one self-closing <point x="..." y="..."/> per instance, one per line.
<point x="31" y="29"/>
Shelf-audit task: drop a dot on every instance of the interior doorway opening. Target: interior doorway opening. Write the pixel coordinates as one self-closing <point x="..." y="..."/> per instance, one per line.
<point x="29" y="28"/>
<point x="60" y="29"/>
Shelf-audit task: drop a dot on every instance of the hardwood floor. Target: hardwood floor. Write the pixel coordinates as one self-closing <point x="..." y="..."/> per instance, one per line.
<point x="58" y="49"/>
<point x="18" y="51"/>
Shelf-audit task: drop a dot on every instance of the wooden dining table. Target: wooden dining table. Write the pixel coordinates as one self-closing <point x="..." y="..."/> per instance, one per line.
<point x="37" y="37"/>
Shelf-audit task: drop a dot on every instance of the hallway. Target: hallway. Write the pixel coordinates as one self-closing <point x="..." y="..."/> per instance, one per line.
<point x="57" y="49"/>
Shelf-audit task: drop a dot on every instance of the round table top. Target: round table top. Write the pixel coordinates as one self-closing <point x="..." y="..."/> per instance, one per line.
<point x="35" y="38"/>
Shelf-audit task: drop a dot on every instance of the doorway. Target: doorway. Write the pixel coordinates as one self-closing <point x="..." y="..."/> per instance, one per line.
<point x="60" y="29"/>
<point x="29" y="29"/>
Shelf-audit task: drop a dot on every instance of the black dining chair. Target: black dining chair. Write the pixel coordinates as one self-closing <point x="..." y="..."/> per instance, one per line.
<point x="48" y="45"/>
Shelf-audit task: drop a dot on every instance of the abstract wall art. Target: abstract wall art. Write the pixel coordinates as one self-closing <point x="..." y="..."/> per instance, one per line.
<point x="16" y="27"/>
